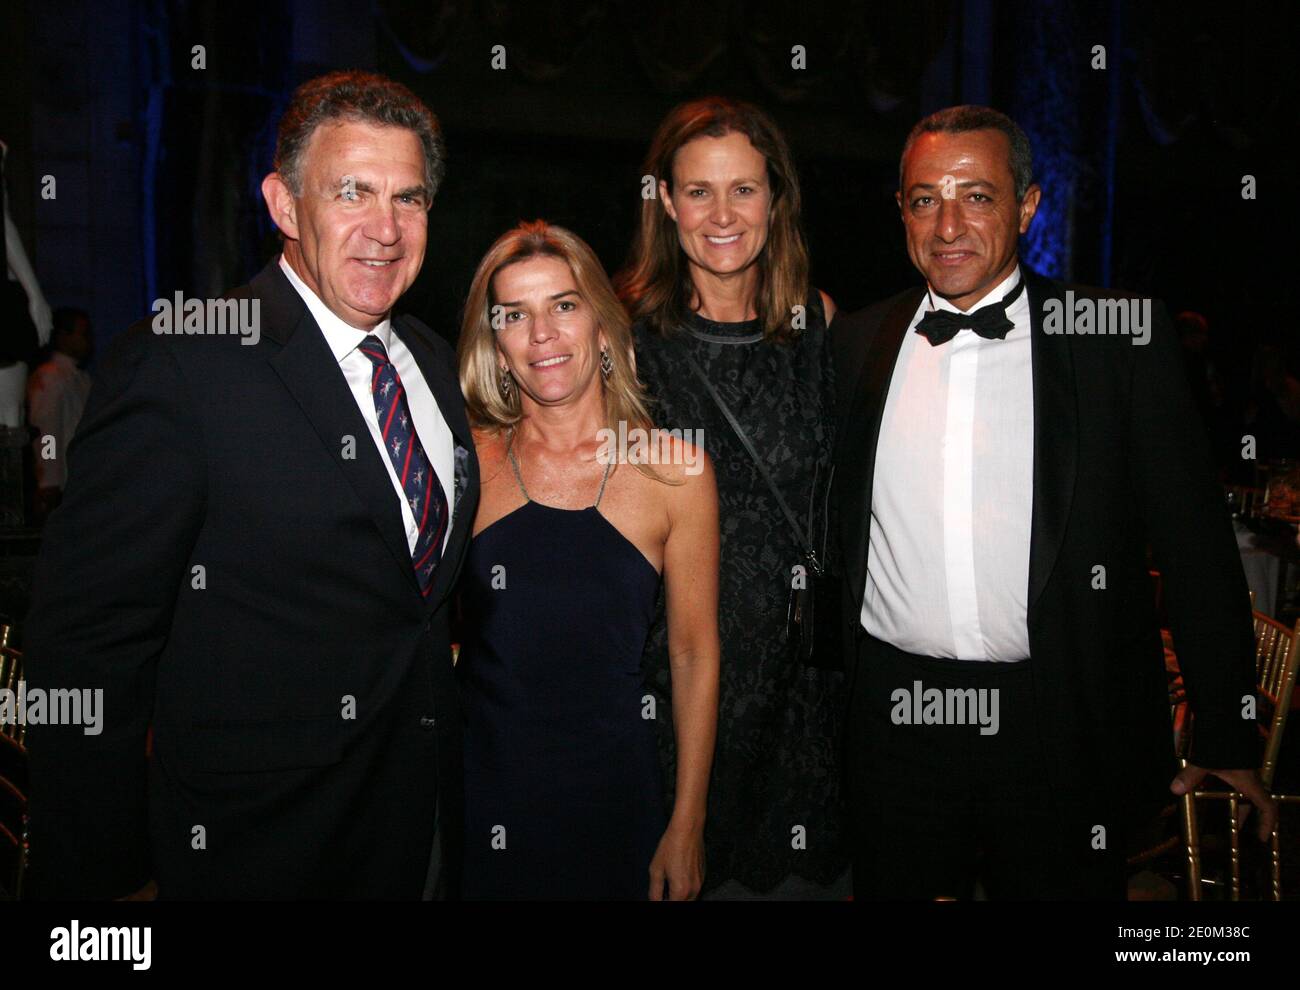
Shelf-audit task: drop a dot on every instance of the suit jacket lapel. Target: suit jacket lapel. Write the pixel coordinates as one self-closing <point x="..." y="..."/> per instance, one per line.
<point x="443" y="384"/>
<point x="1056" y="435"/>
<point x="856" y="455"/>
<point x="307" y="367"/>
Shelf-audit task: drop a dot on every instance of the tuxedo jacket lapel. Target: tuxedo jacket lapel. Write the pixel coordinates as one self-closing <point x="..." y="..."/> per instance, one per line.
<point x="1056" y="434"/>
<point x="307" y="367"/>
<point x="860" y="432"/>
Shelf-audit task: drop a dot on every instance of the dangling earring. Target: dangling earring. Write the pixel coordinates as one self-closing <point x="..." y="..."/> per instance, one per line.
<point x="606" y="365"/>
<point x="505" y="383"/>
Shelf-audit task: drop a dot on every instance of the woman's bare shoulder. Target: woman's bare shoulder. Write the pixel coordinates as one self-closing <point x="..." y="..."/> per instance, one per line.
<point x="686" y="473"/>
<point x="490" y="446"/>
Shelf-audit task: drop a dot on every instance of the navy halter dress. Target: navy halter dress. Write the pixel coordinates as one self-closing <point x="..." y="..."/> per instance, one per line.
<point x="563" y="786"/>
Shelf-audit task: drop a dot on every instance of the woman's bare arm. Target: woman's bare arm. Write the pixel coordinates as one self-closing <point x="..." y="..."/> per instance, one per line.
<point x="691" y="591"/>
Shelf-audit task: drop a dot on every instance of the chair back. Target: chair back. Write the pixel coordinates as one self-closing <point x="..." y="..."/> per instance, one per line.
<point x="1275" y="672"/>
<point x="11" y="674"/>
<point x="13" y="787"/>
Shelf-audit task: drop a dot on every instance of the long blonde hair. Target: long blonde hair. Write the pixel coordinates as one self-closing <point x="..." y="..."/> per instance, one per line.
<point x="493" y="412"/>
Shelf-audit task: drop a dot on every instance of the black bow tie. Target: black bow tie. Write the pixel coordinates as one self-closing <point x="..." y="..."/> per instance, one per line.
<point x="991" y="322"/>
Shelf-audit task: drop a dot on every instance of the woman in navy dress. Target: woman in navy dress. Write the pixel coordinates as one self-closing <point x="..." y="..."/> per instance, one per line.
<point x="564" y="796"/>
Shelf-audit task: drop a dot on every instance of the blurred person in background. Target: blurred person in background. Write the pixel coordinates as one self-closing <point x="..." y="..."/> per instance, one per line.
<point x="56" y="396"/>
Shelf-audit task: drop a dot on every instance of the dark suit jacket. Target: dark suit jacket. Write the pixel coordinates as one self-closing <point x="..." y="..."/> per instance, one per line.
<point x="233" y="572"/>
<point x="1119" y="461"/>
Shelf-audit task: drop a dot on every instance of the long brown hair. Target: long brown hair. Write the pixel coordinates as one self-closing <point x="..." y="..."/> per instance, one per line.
<point x="655" y="284"/>
<point x="493" y="412"/>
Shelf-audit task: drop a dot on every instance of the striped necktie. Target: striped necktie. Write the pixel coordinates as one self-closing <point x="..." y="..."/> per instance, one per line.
<point x="420" y="484"/>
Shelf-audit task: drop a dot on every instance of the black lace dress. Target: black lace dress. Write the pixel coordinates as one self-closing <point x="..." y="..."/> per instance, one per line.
<point x="774" y="807"/>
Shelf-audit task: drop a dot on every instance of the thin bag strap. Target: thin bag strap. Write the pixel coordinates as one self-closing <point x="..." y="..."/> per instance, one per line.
<point x="758" y="462"/>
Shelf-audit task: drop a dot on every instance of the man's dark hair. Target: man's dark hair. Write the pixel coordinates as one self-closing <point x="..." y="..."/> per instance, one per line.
<point x="359" y="97"/>
<point x="959" y="120"/>
<point x="66" y="317"/>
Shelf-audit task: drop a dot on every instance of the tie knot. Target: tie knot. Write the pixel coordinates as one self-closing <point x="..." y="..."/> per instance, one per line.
<point x="373" y="348"/>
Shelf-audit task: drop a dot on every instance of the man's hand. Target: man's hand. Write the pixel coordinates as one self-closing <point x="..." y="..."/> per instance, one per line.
<point x="1246" y="782"/>
<point x="149" y="892"/>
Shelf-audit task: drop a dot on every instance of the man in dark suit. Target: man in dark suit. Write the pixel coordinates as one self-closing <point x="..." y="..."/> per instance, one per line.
<point x="1003" y="464"/>
<point x="254" y="557"/>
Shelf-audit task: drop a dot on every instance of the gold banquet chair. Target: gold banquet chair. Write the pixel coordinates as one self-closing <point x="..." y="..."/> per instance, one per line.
<point x="1162" y="842"/>
<point x="1159" y="841"/>
<point x="13" y="788"/>
<point x="1276" y="657"/>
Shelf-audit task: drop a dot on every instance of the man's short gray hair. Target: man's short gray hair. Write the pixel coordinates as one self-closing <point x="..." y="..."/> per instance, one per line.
<point x="360" y="97"/>
<point x="958" y="120"/>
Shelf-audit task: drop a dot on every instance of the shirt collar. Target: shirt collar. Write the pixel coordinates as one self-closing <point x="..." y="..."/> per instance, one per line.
<point x="1000" y="290"/>
<point x="342" y="337"/>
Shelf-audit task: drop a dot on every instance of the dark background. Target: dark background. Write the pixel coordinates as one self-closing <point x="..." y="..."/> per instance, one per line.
<point x="158" y="163"/>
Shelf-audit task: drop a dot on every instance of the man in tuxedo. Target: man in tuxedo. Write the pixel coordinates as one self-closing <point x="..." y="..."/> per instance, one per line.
<point x="254" y="557"/>
<point x="1001" y="473"/>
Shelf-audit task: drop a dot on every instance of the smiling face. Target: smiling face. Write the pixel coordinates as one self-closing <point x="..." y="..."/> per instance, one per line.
<point x="964" y="243"/>
<point x="721" y="202"/>
<point x="548" y="336"/>
<point x="356" y="234"/>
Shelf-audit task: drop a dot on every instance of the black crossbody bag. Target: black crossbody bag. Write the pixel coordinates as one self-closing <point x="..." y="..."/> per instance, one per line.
<point x="812" y="627"/>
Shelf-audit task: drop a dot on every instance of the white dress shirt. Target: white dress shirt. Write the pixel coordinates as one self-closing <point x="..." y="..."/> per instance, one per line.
<point x="435" y="435"/>
<point x="56" y="398"/>
<point x="952" y="496"/>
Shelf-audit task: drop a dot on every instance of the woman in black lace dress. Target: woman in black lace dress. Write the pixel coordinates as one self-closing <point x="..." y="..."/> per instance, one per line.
<point x="719" y="272"/>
